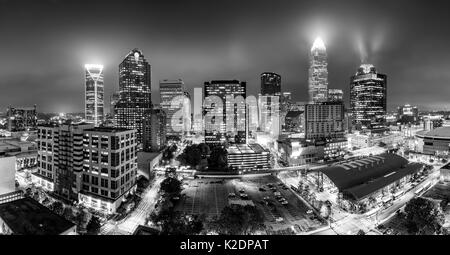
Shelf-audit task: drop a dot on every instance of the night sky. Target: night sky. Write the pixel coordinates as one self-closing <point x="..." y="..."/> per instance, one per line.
<point x="45" y="44"/>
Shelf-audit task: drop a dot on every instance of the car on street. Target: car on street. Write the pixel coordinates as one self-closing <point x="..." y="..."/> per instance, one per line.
<point x="231" y="195"/>
<point x="279" y="219"/>
<point x="266" y="198"/>
<point x="309" y="212"/>
<point x="284" y="202"/>
<point x="244" y="196"/>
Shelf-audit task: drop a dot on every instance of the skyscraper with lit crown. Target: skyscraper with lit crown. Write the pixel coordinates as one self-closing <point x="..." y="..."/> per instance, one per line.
<point x="368" y="99"/>
<point x="318" y="73"/>
<point x="94" y="91"/>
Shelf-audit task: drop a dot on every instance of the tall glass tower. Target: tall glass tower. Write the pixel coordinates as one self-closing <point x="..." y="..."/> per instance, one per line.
<point x="318" y="73"/>
<point x="134" y="92"/>
<point x="94" y="93"/>
<point x="368" y="99"/>
<point x="230" y="124"/>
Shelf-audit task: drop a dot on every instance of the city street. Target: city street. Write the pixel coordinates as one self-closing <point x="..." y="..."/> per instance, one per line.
<point x="138" y="215"/>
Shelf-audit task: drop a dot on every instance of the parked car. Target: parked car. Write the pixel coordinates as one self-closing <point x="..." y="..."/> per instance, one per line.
<point x="231" y="195"/>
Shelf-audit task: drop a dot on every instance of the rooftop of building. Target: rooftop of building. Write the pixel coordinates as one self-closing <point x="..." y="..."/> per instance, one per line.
<point x="362" y="176"/>
<point x="107" y="129"/>
<point x="27" y="217"/>
<point x="245" y="148"/>
<point x="293" y="114"/>
<point x="441" y="132"/>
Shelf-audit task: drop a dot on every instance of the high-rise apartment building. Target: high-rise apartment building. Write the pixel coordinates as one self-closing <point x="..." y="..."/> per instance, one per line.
<point x="135" y="92"/>
<point x="368" y="100"/>
<point x="94" y="94"/>
<point x="225" y="112"/>
<point x="318" y="73"/>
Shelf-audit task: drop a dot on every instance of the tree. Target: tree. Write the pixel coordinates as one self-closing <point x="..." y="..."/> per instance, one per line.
<point x="171" y="186"/>
<point x="81" y="220"/>
<point x="58" y="207"/>
<point x="361" y="232"/>
<point x="239" y="220"/>
<point x="191" y="155"/>
<point x="94" y="225"/>
<point x="218" y="159"/>
<point x="177" y="223"/>
<point x="68" y="213"/>
<point x="423" y="217"/>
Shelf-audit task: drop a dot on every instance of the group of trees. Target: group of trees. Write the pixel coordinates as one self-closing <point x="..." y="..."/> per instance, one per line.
<point x="195" y="153"/>
<point x="423" y="217"/>
<point x="238" y="220"/>
<point x="169" y="153"/>
<point x="173" y="222"/>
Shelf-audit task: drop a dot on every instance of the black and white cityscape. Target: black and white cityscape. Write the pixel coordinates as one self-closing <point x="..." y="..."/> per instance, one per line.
<point x="224" y="117"/>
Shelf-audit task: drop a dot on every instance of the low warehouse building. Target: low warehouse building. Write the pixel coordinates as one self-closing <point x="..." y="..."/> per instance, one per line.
<point x="368" y="180"/>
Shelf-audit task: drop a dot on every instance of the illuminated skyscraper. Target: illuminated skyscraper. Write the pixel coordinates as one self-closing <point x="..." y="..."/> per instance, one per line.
<point x="318" y="73"/>
<point x="269" y="103"/>
<point x="173" y="98"/>
<point x="94" y="109"/>
<point x="368" y="99"/>
<point x="220" y="125"/>
<point x="135" y="92"/>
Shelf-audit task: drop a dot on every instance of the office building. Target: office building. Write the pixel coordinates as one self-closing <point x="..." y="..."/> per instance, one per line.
<point x="335" y="95"/>
<point x="225" y="118"/>
<point x="368" y="100"/>
<point x="324" y="121"/>
<point x="174" y="100"/>
<point x="270" y="84"/>
<point x="318" y="73"/>
<point x="94" y="94"/>
<point x="21" y="118"/>
<point x="248" y="157"/>
<point x="135" y="92"/>
<point x="408" y="114"/>
<point x="154" y="130"/>
<point x="95" y="166"/>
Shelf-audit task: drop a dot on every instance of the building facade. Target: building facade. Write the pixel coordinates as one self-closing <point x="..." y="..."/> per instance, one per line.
<point x="135" y="92"/>
<point x="225" y="112"/>
<point x="154" y="130"/>
<point x="93" y="165"/>
<point x="318" y="73"/>
<point x="248" y="157"/>
<point x="336" y="95"/>
<point x="94" y="94"/>
<point x="174" y="99"/>
<point x="21" y="118"/>
<point x="324" y="121"/>
<point x="368" y="99"/>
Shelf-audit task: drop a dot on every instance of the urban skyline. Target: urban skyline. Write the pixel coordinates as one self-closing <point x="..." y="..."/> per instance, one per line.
<point x="214" y="134"/>
<point x="234" y="47"/>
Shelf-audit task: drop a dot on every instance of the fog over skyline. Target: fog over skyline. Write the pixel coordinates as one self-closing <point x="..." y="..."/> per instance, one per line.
<point x="45" y="44"/>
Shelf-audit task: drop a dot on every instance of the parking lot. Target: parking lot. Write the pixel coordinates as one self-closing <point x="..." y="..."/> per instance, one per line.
<point x="281" y="207"/>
